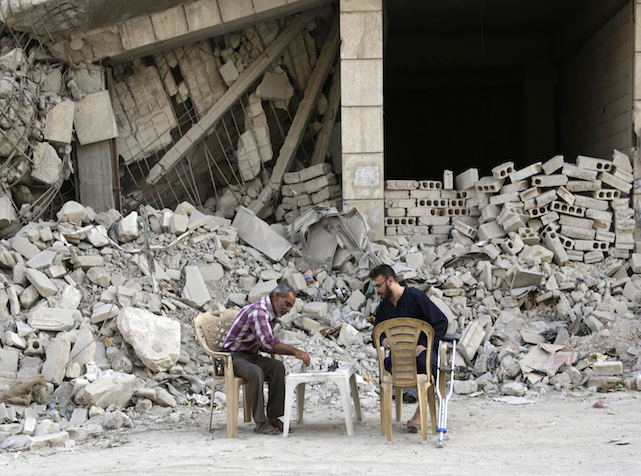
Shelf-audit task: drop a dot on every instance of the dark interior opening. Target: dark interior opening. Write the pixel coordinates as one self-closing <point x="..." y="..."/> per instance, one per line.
<point x="476" y="83"/>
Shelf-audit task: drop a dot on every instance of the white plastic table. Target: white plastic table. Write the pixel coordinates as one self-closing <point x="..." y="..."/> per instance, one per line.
<point x="344" y="377"/>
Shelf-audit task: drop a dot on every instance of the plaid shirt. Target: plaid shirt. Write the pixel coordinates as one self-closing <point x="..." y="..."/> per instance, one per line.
<point x="253" y="329"/>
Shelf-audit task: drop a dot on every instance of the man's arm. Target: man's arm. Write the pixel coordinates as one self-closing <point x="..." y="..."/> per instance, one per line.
<point x="285" y="349"/>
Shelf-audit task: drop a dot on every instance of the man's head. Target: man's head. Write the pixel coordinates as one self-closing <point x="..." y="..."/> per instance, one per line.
<point x="283" y="299"/>
<point x="383" y="276"/>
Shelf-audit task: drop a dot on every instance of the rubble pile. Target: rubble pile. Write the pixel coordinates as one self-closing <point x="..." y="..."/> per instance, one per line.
<point x="96" y="313"/>
<point x="35" y="134"/>
<point x="315" y="185"/>
<point x="580" y="212"/>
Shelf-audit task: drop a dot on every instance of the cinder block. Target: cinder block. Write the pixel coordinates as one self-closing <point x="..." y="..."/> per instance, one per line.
<point x="578" y="233"/>
<point x="605" y="369"/>
<point x="489" y="213"/>
<point x="605" y="194"/>
<point x="448" y="180"/>
<point x="615" y="182"/>
<point x="562" y="207"/>
<point x="430" y="185"/>
<point x="599" y="215"/>
<point x="588" y="202"/>
<point x="619" y="253"/>
<point x="591" y="245"/>
<point x="577" y="222"/>
<point x="401" y="184"/>
<point x="528" y="194"/>
<point x="501" y="172"/>
<point x="434" y="220"/>
<point x="604" y="235"/>
<point x="400" y="194"/>
<point x="526" y="172"/>
<point x="574" y="171"/>
<point x="489" y="185"/>
<point x="549" y="218"/>
<point x="314" y="185"/>
<point x="470" y="341"/>
<point x="515" y="187"/>
<point x="553" y="243"/>
<point x="491" y="230"/>
<point x="592" y="257"/>
<point x="621" y="161"/>
<point x="592" y="163"/>
<point x="552" y="165"/>
<point x="545" y="198"/>
<point x="433" y="194"/>
<point x="538" y="211"/>
<point x="623" y="175"/>
<point x="504" y="198"/>
<point x="467" y="179"/>
<point x="400" y="203"/>
<point x="583" y="186"/>
<point x="314" y="171"/>
<point x="400" y="221"/>
<point x="529" y="236"/>
<point x="395" y="212"/>
<point x="566" y="196"/>
<point x="549" y="180"/>
<point x="466" y="229"/>
<point x="574" y="255"/>
<point x="568" y="243"/>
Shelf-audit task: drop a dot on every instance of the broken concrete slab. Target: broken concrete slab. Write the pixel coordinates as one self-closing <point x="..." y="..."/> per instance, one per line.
<point x="260" y="235"/>
<point x="94" y="119"/>
<point x="195" y="291"/>
<point x="155" y="339"/>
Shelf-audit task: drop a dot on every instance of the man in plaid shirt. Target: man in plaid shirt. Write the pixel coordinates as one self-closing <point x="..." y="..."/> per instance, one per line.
<point x="251" y="331"/>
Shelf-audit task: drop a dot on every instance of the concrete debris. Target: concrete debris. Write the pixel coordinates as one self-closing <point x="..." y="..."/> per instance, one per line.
<point x="96" y="310"/>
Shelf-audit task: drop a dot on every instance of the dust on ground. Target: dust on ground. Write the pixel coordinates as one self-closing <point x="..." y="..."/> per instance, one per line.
<point x="548" y="434"/>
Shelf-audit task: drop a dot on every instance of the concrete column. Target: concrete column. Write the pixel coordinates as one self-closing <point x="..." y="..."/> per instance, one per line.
<point x="361" y="24"/>
<point x="636" y="93"/>
<point x="95" y="163"/>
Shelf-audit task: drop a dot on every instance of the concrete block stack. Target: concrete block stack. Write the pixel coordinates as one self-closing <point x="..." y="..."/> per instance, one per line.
<point x="580" y="212"/>
<point x="315" y="185"/>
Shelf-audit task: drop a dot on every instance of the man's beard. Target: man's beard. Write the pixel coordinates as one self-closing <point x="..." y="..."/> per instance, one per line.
<point x="387" y="295"/>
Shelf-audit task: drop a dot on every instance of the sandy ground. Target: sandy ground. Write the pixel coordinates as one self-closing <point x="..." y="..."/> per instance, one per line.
<point x="555" y="434"/>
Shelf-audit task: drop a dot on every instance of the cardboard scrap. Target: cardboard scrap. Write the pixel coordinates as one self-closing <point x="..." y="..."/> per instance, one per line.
<point x="545" y="360"/>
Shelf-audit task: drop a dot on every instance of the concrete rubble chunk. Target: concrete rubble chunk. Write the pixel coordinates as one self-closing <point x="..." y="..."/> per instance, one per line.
<point x="59" y="123"/>
<point x="261" y="289"/>
<point x="57" y="357"/>
<point x="115" y="389"/>
<point x="94" y="119"/>
<point x="42" y="283"/>
<point x="46" y="167"/>
<point x="260" y="235"/>
<point x="195" y="291"/>
<point x="128" y="229"/>
<point x="51" y="319"/>
<point x="72" y="212"/>
<point x="155" y="339"/>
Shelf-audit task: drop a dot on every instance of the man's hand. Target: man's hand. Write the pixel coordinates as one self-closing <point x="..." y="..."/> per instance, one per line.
<point x="420" y="349"/>
<point x="304" y="356"/>
<point x="385" y="343"/>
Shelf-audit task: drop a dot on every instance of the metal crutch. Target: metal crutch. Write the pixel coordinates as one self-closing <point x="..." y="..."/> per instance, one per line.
<point x="441" y="427"/>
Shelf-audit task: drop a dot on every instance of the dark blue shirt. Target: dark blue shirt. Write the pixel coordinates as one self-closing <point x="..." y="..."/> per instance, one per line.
<point x="415" y="303"/>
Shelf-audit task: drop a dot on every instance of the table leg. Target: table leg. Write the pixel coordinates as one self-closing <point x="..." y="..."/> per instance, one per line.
<point x="357" y="402"/>
<point x="300" y="400"/>
<point x="347" y="406"/>
<point x="289" y="400"/>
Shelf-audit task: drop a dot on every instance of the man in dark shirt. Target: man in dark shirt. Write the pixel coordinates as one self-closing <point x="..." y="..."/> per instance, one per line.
<point x="400" y="301"/>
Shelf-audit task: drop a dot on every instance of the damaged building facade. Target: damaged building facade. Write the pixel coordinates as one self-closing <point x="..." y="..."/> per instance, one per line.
<point x="488" y="152"/>
<point x="214" y="102"/>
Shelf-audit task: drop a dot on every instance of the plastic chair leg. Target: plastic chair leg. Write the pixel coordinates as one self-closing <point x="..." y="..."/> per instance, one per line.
<point x="431" y="400"/>
<point x="422" y="404"/>
<point x="399" y="404"/>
